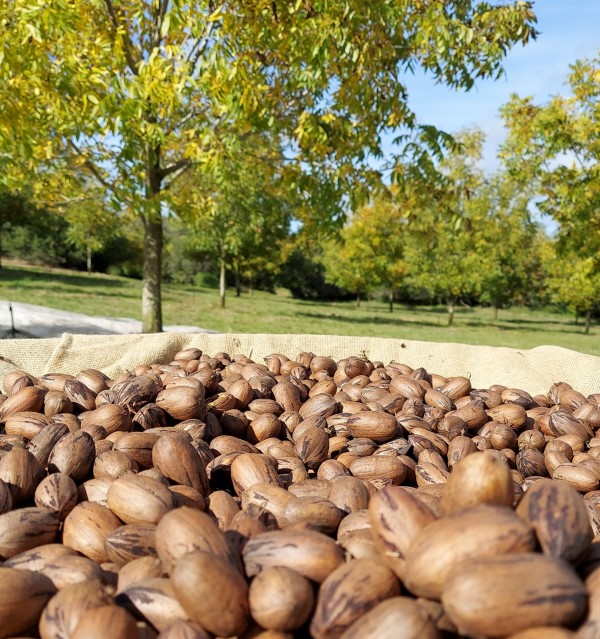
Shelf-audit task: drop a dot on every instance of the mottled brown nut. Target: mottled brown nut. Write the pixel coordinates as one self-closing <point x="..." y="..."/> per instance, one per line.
<point x="176" y="458"/>
<point x="396" y="517"/>
<point x="57" y="492"/>
<point x="21" y="473"/>
<point x="73" y="455"/>
<point x="86" y="527"/>
<point x="23" y="596"/>
<point x="137" y="499"/>
<point x="349" y="592"/>
<point x="462" y="538"/>
<point x="135" y="392"/>
<point x="26" y="528"/>
<point x="538" y="588"/>
<point x="30" y="398"/>
<point x="309" y="553"/>
<point x="82" y="397"/>
<point x="394" y="617"/>
<point x="480" y="478"/>
<point x="202" y="582"/>
<point x="559" y="517"/>
<point x="248" y="469"/>
<point x="129" y="542"/>
<point x="111" y="416"/>
<point x="183" y="402"/>
<point x="312" y="447"/>
<point x="112" y="621"/>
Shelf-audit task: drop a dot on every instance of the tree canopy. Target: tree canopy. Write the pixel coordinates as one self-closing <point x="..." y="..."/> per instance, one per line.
<point x="240" y="212"/>
<point x="135" y="93"/>
<point x="369" y="252"/>
<point x="554" y="148"/>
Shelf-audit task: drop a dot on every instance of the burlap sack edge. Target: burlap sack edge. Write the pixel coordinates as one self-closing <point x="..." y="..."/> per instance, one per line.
<point x="534" y="370"/>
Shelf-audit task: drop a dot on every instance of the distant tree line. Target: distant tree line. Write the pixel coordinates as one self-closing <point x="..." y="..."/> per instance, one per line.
<point x="467" y="239"/>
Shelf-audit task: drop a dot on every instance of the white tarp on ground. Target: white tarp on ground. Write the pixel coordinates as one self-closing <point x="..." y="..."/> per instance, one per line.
<point x="533" y="370"/>
<point x="29" y="320"/>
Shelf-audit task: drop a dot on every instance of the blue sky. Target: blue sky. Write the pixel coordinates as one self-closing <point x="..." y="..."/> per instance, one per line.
<point x="570" y="30"/>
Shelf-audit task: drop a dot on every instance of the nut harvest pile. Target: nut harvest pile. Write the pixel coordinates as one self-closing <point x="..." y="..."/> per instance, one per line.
<point x="215" y="496"/>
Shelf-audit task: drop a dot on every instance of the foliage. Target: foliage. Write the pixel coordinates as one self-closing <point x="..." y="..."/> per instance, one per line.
<point x="508" y="245"/>
<point x="462" y="237"/>
<point x="445" y="247"/>
<point x="14" y="208"/>
<point x="303" y="273"/>
<point x="555" y="148"/>
<point x="369" y="252"/>
<point x="345" y="265"/>
<point x="179" y="265"/>
<point x="574" y="282"/>
<point x="240" y="213"/>
<point x="41" y="237"/>
<point x="122" y="254"/>
<point x="91" y="224"/>
<point x="41" y="242"/>
<point x="135" y="92"/>
<point x="31" y="233"/>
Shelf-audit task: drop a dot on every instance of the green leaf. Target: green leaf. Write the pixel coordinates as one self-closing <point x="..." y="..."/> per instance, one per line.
<point x="164" y="27"/>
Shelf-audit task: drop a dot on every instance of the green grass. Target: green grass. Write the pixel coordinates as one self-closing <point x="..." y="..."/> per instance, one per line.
<point x="112" y="296"/>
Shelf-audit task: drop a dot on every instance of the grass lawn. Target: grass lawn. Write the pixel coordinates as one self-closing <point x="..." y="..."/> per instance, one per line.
<point x="112" y="296"/>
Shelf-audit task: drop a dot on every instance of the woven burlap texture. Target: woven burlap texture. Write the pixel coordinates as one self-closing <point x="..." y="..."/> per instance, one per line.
<point x="533" y="370"/>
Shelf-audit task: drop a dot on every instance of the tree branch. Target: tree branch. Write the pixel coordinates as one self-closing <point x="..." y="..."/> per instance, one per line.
<point x="159" y="18"/>
<point x="269" y="160"/>
<point x="128" y="47"/>
<point x="182" y="169"/>
<point x="199" y="47"/>
<point x="71" y="200"/>
<point x="193" y="113"/>
<point x="93" y="169"/>
<point x="578" y="157"/>
<point x="173" y="168"/>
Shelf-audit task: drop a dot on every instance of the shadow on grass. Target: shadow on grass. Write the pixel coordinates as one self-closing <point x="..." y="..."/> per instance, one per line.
<point x="84" y="292"/>
<point x="528" y="327"/>
<point x="378" y="307"/>
<point x="276" y="299"/>
<point x="541" y="323"/>
<point x="391" y="320"/>
<point x="58" y="280"/>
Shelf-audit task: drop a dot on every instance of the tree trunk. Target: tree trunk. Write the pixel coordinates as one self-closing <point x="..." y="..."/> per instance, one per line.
<point x="222" y="278"/>
<point x="151" y="295"/>
<point x="391" y="300"/>
<point x="153" y="241"/>
<point x="358" y="300"/>
<point x="496" y="312"/>
<point x="450" y="312"/>
<point x="238" y="281"/>
<point x="588" y="321"/>
<point x="89" y="260"/>
<point x="576" y="317"/>
<point x="251" y="286"/>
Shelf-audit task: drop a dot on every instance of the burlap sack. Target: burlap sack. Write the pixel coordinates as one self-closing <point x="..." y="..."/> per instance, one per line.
<point x="532" y="370"/>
